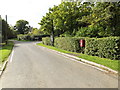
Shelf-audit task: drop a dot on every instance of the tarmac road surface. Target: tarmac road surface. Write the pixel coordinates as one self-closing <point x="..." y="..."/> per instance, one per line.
<point x="31" y="66"/>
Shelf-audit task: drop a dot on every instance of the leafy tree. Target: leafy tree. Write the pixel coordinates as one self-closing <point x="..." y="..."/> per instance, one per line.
<point x="105" y="15"/>
<point x="22" y="26"/>
<point x="65" y="18"/>
<point x="88" y="19"/>
<point x="36" y="31"/>
<point x="11" y="33"/>
<point x="7" y="31"/>
<point x="47" y="25"/>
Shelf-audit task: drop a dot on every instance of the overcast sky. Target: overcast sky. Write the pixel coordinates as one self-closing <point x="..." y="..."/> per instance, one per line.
<point x="30" y="10"/>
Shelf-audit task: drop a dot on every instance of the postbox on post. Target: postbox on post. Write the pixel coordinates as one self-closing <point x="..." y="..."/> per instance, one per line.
<point x="82" y="43"/>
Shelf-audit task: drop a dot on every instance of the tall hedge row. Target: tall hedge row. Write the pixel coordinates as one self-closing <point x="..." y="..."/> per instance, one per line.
<point x="103" y="47"/>
<point x="66" y="43"/>
<point x="69" y="44"/>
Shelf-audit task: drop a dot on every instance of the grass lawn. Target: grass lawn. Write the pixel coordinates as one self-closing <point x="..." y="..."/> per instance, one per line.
<point x="5" y="51"/>
<point x="113" y="64"/>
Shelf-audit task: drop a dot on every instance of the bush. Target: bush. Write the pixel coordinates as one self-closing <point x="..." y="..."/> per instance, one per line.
<point x="69" y="44"/>
<point x="23" y="37"/>
<point x="30" y="37"/>
<point x="108" y="47"/>
<point x="92" y="31"/>
<point x="103" y="47"/>
<point x="46" y="41"/>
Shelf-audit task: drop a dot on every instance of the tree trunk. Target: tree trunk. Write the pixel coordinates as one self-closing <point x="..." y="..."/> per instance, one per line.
<point x="52" y="35"/>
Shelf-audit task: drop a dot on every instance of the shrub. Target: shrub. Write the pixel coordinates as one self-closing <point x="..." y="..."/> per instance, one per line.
<point x="30" y="37"/>
<point x="103" y="47"/>
<point x="92" y="31"/>
<point x="108" y="47"/>
<point x="46" y="41"/>
<point x="22" y="37"/>
<point x="68" y="43"/>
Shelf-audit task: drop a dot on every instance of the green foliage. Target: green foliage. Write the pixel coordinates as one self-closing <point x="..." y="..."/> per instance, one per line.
<point x="22" y="26"/>
<point x="7" y="31"/>
<point x="67" y="43"/>
<point x="87" y="19"/>
<point x="70" y="44"/>
<point x="23" y="37"/>
<point x="103" y="47"/>
<point x="91" y="31"/>
<point x="46" y="41"/>
<point x="35" y="31"/>
<point x="108" y="47"/>
<point x="30" y="37"/>
<point x="64" y="18"/>
<point x="105" y="15"/>
<point x="11" y="33"/>
<point x="5" y="51"/>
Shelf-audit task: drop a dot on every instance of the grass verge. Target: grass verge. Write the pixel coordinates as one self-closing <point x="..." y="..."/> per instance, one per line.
<point x="19" y="40"/>
<point x="5" y="51"/>
<point x="113" y="64"/>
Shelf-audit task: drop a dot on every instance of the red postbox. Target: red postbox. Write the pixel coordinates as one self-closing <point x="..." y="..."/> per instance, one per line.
<point x="82" y="43"/>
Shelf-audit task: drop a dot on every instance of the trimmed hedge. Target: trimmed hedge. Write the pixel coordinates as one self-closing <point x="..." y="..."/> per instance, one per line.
<point x="65" y="43"/>
<point x="68" y="43"/>
<point x="103" y="47"/>
<point x="46" y="41"/>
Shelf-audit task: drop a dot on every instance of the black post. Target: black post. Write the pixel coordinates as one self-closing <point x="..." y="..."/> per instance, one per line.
<point x="6" y="32"/>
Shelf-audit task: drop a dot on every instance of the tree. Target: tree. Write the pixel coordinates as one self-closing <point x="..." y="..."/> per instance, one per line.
<point x="88" y="19"/>
<point x="22" y="26"/>
<point x="36" y="31"/>
<point x="65" y="18"/>
<point x="105" y="15"/>
<point x="7" y="31"/>
<point x="47" y="25"/>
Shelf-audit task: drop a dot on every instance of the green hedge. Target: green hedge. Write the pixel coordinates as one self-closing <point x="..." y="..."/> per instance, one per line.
<point x="30" y="37"/>
<point x="65" y="43"/>
<point x="69" y="44"/>
<point x="108" y="47"/>
<point x="103" y="47"/>
<point x="46" y="41"/>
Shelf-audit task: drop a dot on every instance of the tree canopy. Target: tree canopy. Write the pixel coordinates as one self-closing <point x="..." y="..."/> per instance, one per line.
<point x="22" y="26"/>
<point x="83" y="19"/>
<point x="6" y="31"/>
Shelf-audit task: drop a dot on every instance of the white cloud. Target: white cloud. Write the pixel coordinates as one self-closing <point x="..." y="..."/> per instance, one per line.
<point x="30" y="10"/>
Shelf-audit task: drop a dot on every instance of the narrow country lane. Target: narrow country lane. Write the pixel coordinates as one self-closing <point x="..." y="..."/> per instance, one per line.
<point x="32" y="66"/>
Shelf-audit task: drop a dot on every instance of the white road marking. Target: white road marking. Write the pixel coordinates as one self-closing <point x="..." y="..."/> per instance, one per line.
<point x="11" y="57"/>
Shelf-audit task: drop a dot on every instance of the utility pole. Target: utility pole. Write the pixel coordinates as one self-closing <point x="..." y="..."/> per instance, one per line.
<point x="6" y="18"/>
<point x="6" y="31"/>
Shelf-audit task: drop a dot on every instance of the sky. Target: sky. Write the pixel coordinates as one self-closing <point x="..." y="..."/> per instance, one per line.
<point x="29" y="10"/>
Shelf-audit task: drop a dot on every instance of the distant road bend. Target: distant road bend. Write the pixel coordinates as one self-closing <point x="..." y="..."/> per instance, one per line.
<point x="32" y="66"/>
